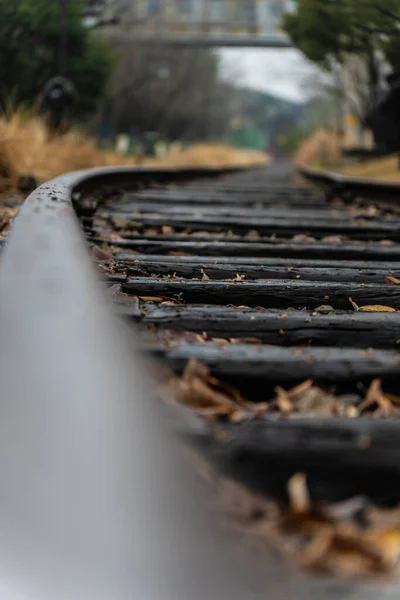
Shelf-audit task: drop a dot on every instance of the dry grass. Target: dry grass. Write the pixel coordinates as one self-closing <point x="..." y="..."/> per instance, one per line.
<point x="213" y="155"/>
<point x="382" y="168"/>
<point x="26" y="148"/>
<point x="322" y="149"/>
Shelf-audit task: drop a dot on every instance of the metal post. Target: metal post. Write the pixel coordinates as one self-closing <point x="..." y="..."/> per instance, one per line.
<point x="63" y="42"/>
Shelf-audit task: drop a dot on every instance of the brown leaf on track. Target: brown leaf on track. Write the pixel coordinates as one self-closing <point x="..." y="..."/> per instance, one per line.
<point x="376" y="398"/>
<point x="102" y="253"/>
<point x="239" y="277"/>
<point x="323" y="544"/>
<point x="389" y="280"/>
<point x="354" y="305"/>
<point x="394" y="399"/>
<point x="298" y="494"/>
<point x="178" y="253"/>
<point x="206" y="394"/>
<point x="299" y="389"/>
<point x="136" y="271"/>
<point x="212" y="397"/>
<point x="332" y="239"/>
<point x="221" y="341"/>
<point x="115" y="237"/>
<point x="252" y="234"/>
<point x="159" y="300"/>
<point x="353" y="556"/>
<point x="246" y="340"/>
<point x="317" y="401"/>
<point x="205" y="276"/>
<point x="200" y="338"/>
<point x="200" y="396"/>
<point x="372" y="308"/>
<point x="307" y="398"/>
<point x="151" y="231"/>
<point x="377" y="308"/>
<point x="283" y="401"/>
<point x="388" y="542"/>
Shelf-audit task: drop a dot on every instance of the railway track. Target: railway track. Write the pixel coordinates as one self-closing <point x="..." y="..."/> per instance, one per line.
<point x="270" y="309"/>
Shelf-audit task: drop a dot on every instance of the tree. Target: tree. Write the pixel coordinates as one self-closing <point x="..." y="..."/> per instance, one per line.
<point x="174" y="92"/>
<point x="29" y="42"/>
<point x="361" y="36"/>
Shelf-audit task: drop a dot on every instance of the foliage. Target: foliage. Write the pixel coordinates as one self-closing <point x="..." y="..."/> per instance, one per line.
<point x="289" y="142"/>
<point x="176" y="93"/>
<point x="261" y="119"/>
<point x="326" y="30"/>
<point x="29" y="42"/>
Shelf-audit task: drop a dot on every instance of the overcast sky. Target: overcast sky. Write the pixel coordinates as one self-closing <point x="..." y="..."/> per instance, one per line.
<point x="284" y="72"/>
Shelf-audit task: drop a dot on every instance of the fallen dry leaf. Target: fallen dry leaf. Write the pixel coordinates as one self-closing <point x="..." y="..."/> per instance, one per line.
<point x="178" y="253"/>
<point x="388" y="543"/>
<point x="102" y="253"/>
<point x="391" y="280"/>
<point x="332" y="239"/>
<point x="376" y="397"/>
<point x="377" y="308"/>
<point x="158" y="299"/>
<point x="299" y="389"/>
<point x="201" y="338"/>
<point x="205" y="276"/>
<point x="372" y="308"/>
<point x="222" y="341"/>
<point x="298" y="494"/>
<point x="115" y="237"/>
<point x="206" y="394"/>
<point x="248" y="340"/>
<point x="253" y="234"/>
<point x="283" y="401"/>
<point x="308" y="398"/>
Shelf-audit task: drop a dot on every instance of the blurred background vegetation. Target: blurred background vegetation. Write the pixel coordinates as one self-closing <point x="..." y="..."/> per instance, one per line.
<point x="146" y="93"/>
<point x="136" y="96"/>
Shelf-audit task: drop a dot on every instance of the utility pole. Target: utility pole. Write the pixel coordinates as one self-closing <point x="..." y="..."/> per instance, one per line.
<point x="59" y="93"/>
<point x="63" y="41"/>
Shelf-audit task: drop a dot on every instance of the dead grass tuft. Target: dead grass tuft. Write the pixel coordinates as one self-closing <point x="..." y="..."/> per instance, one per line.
<point x="213" y="155"/>
<point x="321" y="149"/>
<point x="26" y="148"/>
<point x="386" y="168"/>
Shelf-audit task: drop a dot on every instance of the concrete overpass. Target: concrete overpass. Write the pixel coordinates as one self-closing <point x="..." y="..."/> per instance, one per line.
<point x="223" y="23"/>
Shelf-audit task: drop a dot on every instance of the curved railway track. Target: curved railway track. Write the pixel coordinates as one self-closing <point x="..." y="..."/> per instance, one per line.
<point x="258" y="302"/>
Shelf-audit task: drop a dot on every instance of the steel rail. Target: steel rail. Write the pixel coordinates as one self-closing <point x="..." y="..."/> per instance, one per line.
<point x="349" y="187"/>
<point x="96" y="502"/>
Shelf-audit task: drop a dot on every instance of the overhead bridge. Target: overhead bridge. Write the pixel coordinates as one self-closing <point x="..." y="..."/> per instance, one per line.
<point x="198" y="23"/>
<point x="206" y="40"/>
